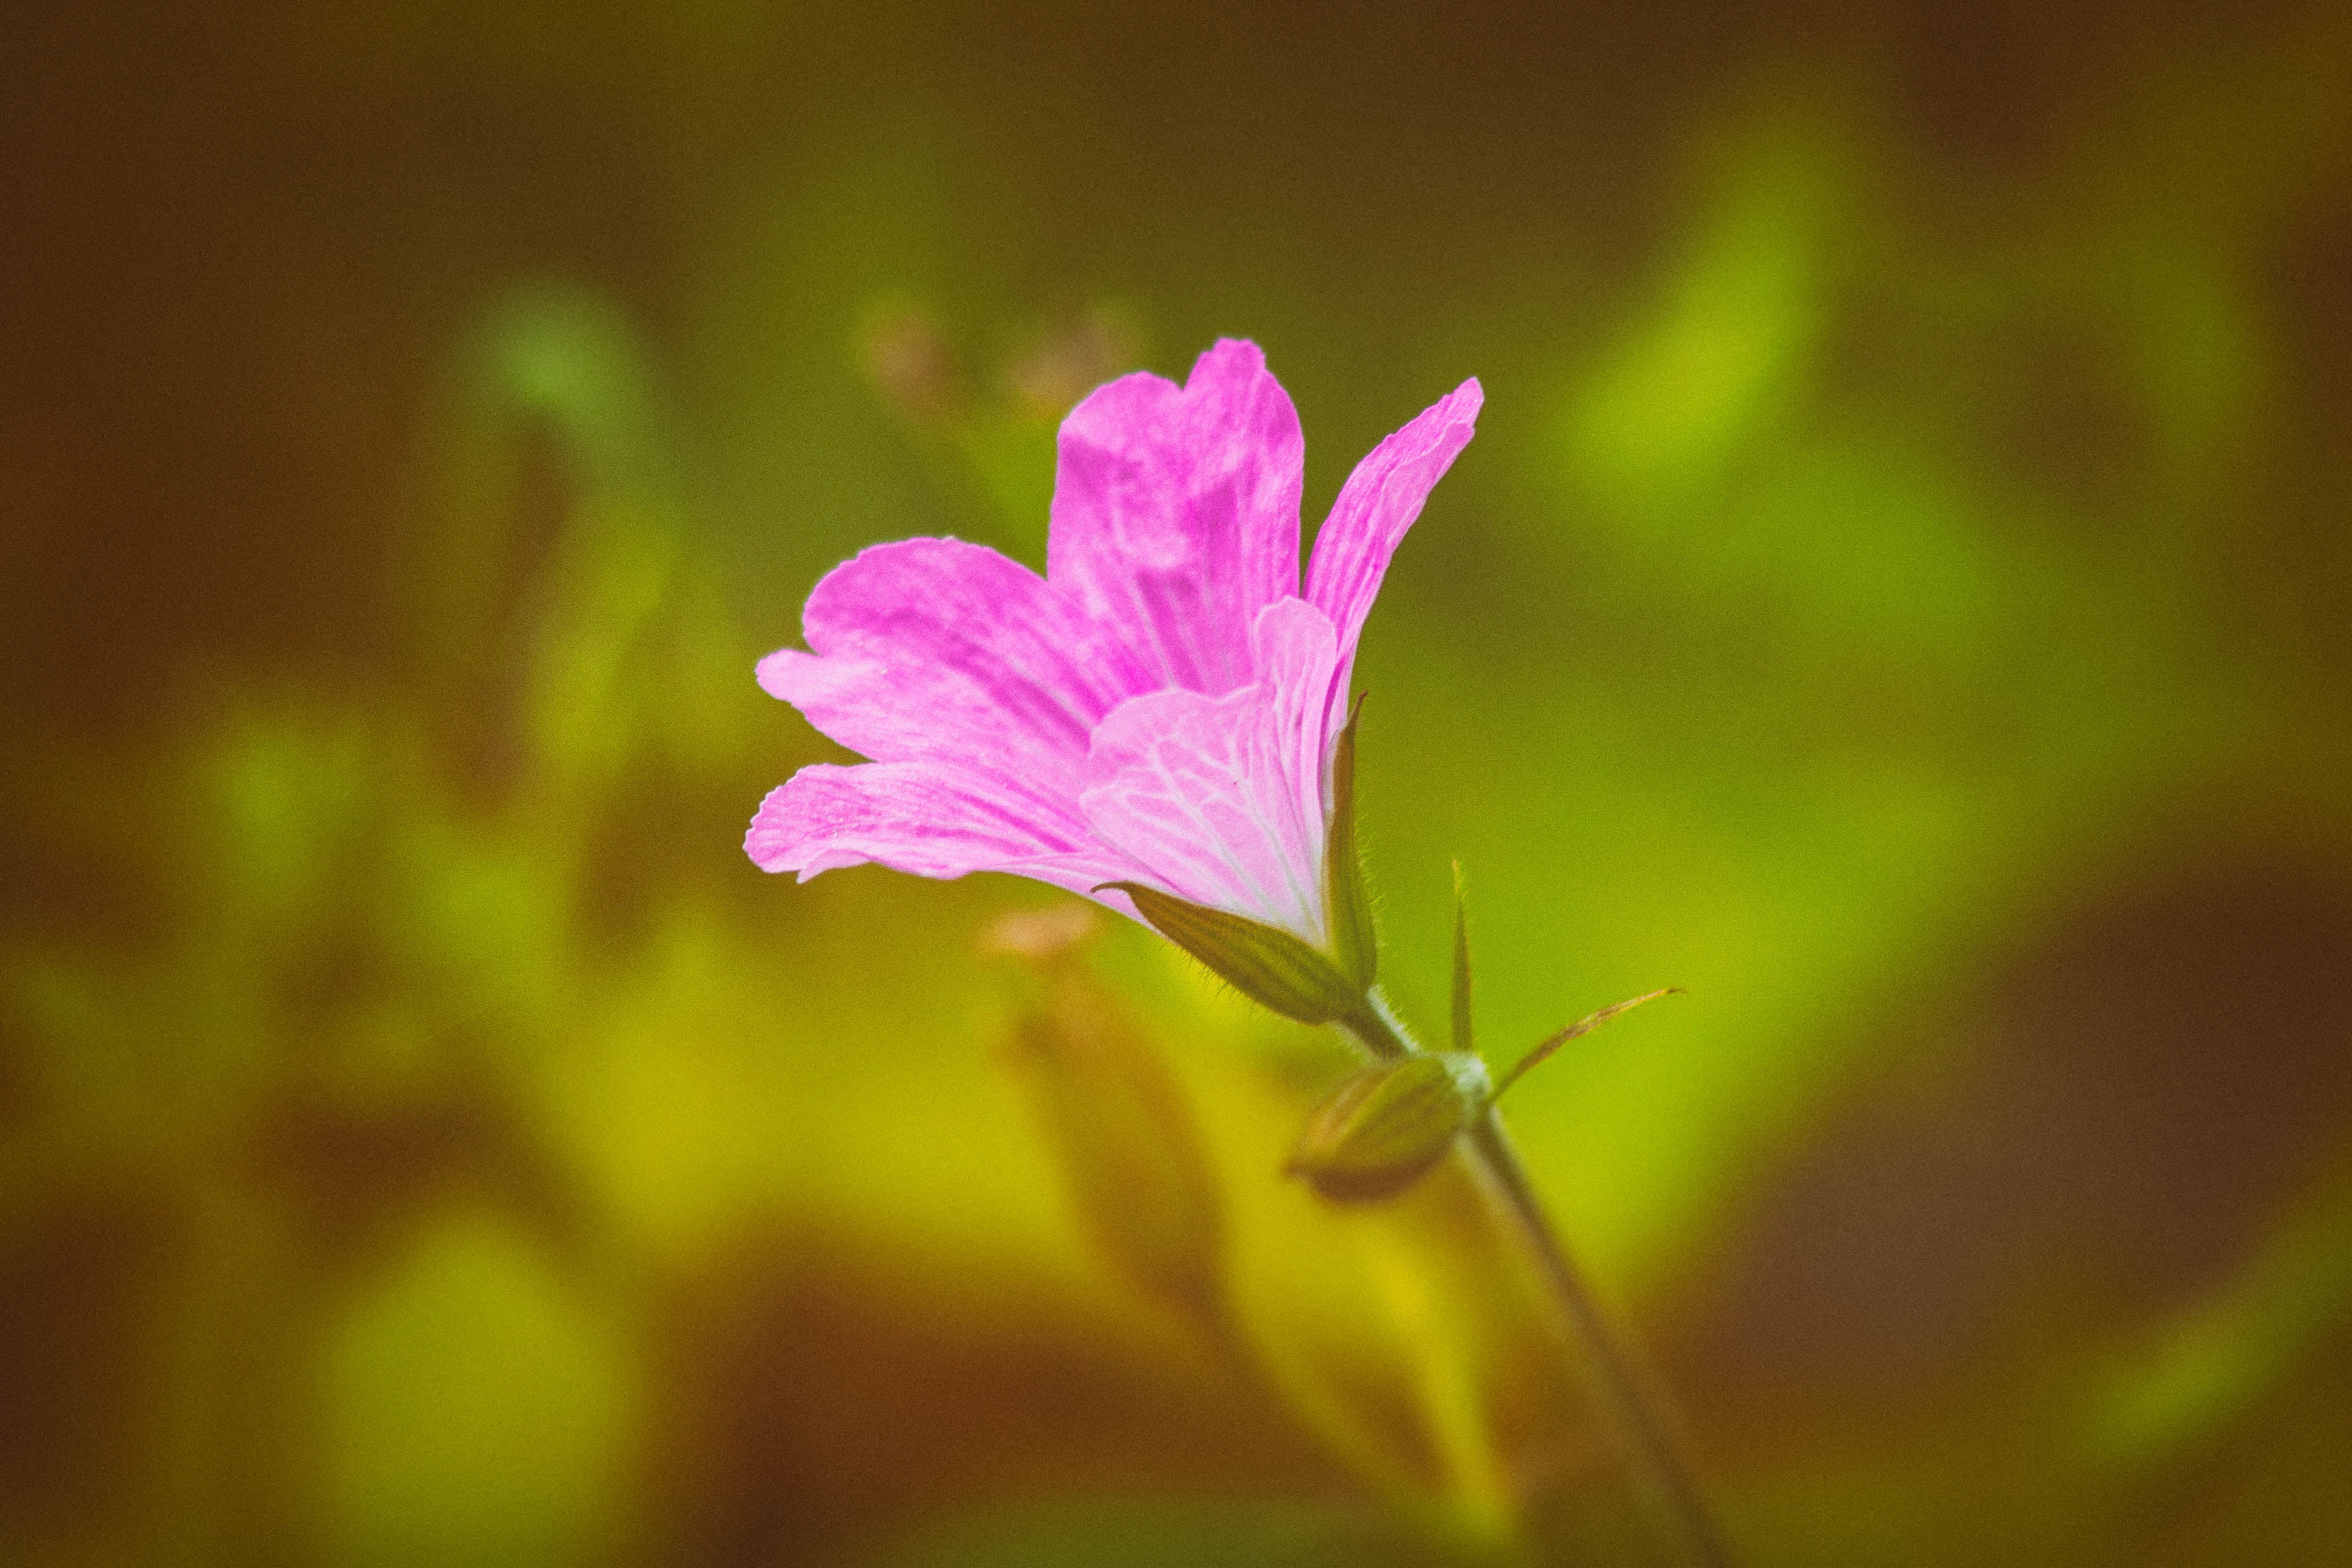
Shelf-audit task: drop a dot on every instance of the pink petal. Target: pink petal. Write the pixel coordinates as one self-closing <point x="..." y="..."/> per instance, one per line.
<point x="934" y="647"/>
<point x="1305" y="683"/>
<point x="1379" y="503"/>
<point x="932" y="819"/>
<point x="1220" y="799"/>
<point x="1175" y="513"/>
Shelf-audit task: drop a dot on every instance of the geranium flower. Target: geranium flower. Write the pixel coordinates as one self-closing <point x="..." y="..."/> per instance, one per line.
<point x="1160" y="708"/>
<point x="1159" y="723"/>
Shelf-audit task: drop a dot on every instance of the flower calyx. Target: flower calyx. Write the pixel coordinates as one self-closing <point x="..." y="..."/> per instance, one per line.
<point x="1388" y="1125"/>
<point x="1264" y="963"/>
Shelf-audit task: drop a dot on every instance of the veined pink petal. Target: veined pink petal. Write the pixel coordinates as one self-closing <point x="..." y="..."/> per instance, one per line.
<point x="1175" y="513"/>
<point x="1220" y="799"/>
<point x="932" y="819"/>
<point x="1305" y="681"/>
<point x="935" y="647"/>
<point x="1379" y="503"/>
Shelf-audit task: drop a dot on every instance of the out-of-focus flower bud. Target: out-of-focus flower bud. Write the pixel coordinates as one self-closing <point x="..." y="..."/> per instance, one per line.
<point x="1077" y="355"/>
<point x="908" y="361"/>
<point x="1118" y="1121"/>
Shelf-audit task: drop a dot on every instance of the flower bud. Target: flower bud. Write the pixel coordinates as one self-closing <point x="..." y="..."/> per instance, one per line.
<point x="1383" y="1128"/>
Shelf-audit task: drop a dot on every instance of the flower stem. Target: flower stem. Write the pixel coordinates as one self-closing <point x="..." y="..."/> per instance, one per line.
<point x="1633" y="1415"/>
<point x="1629" y="1409"/>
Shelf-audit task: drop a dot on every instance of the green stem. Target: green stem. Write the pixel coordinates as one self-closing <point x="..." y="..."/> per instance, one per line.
<point x="1631" y="1410"/>
<point x="1383" y="1032"/>
<point x="1632" y="1413"/>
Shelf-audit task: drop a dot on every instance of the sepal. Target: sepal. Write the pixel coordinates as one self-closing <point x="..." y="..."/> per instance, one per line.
<point x="1264" y="963"/>
<point x="1582" y="1026"/>
<point x="1354" y="943"/>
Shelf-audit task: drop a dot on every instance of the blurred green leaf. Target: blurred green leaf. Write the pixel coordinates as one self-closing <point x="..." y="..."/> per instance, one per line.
<point x="476" y="1412"/>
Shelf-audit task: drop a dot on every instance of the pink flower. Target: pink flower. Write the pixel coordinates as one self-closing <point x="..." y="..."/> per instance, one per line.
<point x="1158" y="707"/>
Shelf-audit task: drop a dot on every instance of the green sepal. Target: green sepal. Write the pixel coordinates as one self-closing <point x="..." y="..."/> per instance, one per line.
<point x="1353" y="940"/>
<point x="1463" y="1040"/>
<point x="1384" y="1128"/>
<point x="1582" y="1026"/>
<point x="1264" y="963"/>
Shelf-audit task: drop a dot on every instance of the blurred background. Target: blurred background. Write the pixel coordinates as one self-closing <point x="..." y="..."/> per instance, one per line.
<point x="1898" y="593"/>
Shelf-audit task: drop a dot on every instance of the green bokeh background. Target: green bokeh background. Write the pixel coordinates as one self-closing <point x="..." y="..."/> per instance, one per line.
<point x="1898" y="593"/>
